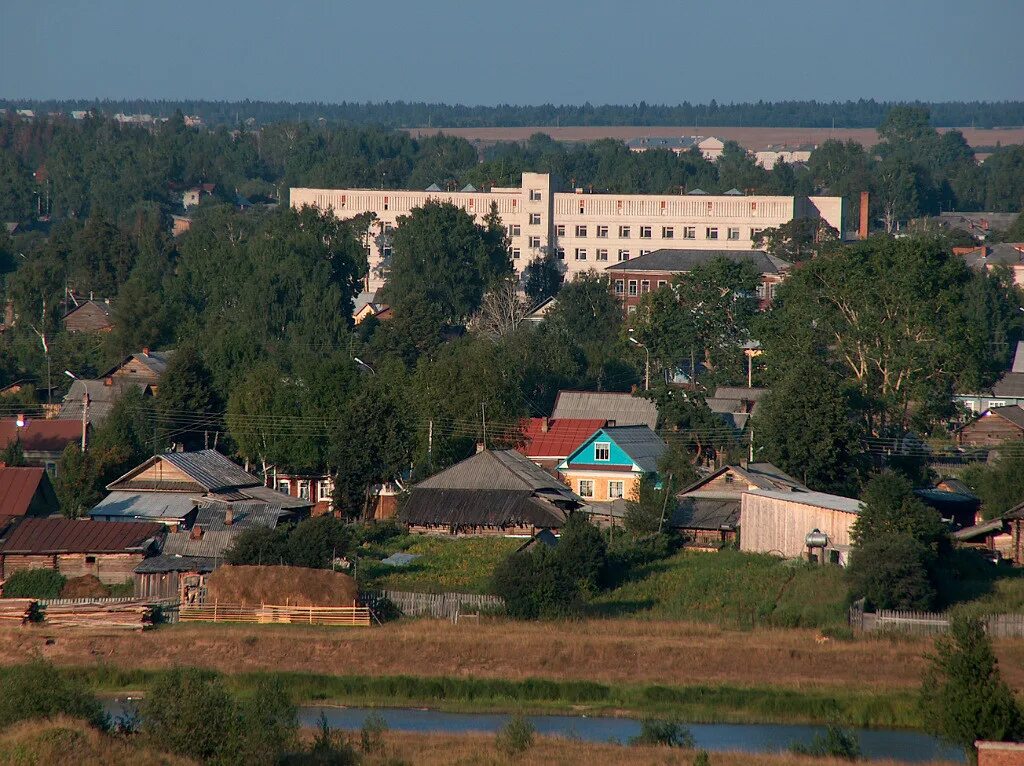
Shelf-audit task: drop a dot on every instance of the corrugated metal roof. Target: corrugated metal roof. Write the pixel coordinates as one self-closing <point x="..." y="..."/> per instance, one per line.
<point x="17" y="488"/>
<point x="210" y="545"/>
<point x="617" y="408"/>
<point x="641" y="443"/>
<point x="480" y="507"/>
<point x="760" y="475"/>
<point x="682" y="261"/>
<point x="741" y="393"/>
<point x="246" y="515"/>
<point x="1018" y="358"/>
<point x="40" y="435"/>
<point x="497" y="470"/>
<point x="1011" y="384"/>
<point x="273" y="497"/>
<point x="43" y="536"/>
<point x="163" y="563"/>
<point x="816" y="499"/>
<point x="101" y="398"/>
<point x="560" y="440"/>
<point x="146" y="505"/>
<point x="210" y="469"/>
<point x="155" y="361"/>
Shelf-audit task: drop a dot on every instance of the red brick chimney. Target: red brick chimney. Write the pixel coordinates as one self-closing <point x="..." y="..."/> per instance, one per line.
<point x="197" y="532"/>
<point x="864" y="215"/>
<point x="229" y="517"/>
<point x="545" y="424"/>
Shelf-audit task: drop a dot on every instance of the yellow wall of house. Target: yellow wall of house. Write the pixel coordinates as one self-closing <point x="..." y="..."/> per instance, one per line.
<point x="629" y="481"/>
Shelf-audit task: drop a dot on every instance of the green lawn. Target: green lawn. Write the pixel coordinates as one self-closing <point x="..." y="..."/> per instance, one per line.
<point x="732" y="589"/>
<point x="462" y="565"/>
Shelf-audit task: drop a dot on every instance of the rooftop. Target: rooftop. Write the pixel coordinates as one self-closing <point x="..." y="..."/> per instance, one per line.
<point x="816" y="499"/>
<point x="618" y="409"/>
<point x="562" y="437"/>
<point x="47" y="536"/>
<point x="681" y="261"/>
<point x="17" y="488"/>
<point x="40" y="435"/>
<point x="642" y="445"/>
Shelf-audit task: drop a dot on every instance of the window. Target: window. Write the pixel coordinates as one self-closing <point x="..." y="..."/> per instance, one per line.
<point x="623" y="232"/>
<point x="645" y="285"/>
<point x="630" y="309"/>
<point x="586" y="487"/>
<point x="535" y="219"/>
<point x="304" y="489"/>
<point x="645" y="252"/>
<point x="534" y="241"/>
<point x="996" y="403"/>
<point x="560" y="230"/>
<point x="535" y="195"/>
<point x="971" y="405"/>
<point x="388" y="228"/>
<point x="645" y="232"/>
<point x="560" y="253"/>
<point x="732" y="233"/>
<point x="662" y="283"/>
<point x="615" y="490"/>
<point x="689" y="232"/>
<point x="761" y="291"/>
<point x="632" y="287"/>
<point x="729" y="478"/>
<point x="516" y="253"/>
<point x="581" y="253"/>
<point x="51" y="468"/>
<point x="623" y="255"/>
<point x="323" y="490"/>
<point x="90" y="559"/>
<point x="620" y="287"/>
<point x="602" y="232"/>
<point x="602" y="255"/>
<point x="668" y="232"/>
<point x="602" y="451"/>
<point x="755" y="232"/>
<point x="385" y="252"/>
<point x="581" y="231"/>
<point x="283" y="485"/>
<point x="514" y="230"/>
<point x="711" y="232"/>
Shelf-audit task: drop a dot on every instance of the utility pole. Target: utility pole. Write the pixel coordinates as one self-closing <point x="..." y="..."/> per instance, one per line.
<point x="483" y="420"/>
<point x="85" y="413"/>
<point x="430" y="445"/>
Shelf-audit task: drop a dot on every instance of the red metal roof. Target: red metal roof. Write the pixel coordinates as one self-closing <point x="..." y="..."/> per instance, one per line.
<point x="17" y="488"/>
<point x="69" y="536"/>
<point x="562" y="438"/>
<point x="41" y="435"/>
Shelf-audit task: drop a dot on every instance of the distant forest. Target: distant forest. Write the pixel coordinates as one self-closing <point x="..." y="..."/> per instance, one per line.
<point x="399" y="114"/>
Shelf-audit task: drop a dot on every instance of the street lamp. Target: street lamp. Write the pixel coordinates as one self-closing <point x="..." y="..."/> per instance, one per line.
<point x="647" y="362"/>
<point x="361" y="363"/>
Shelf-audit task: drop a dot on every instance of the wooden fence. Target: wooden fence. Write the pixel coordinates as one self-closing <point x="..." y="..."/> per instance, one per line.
<point x="358" y="616"/>
<point x="443" y="606"/>
<point x="101" y="600"/>
<point x="930" y="623"/>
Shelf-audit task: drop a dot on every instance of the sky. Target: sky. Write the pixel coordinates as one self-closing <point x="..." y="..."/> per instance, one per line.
<point x="524" y="52"/>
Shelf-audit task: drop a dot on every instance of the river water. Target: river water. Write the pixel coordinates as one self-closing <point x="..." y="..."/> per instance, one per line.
<point x="751" y="738"/>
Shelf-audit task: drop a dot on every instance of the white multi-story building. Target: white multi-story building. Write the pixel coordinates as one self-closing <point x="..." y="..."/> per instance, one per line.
<point x="584" y="231"/>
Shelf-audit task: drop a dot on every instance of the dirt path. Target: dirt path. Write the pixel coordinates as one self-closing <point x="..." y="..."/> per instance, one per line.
<point x="626" y="651"/>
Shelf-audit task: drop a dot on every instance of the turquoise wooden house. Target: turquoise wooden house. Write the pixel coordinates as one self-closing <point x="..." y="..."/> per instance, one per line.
<point x="610" y="464"/>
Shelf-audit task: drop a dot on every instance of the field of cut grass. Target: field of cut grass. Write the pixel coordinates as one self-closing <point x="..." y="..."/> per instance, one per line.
<point x="731" y="589"/>
<point x="459" y="565"/>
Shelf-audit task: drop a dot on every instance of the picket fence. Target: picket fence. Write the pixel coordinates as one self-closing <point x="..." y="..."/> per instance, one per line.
<point x="930" y="623"/>
<point x="102" y="600"/>
<point x="356" y="616"/>
<point x="443" y="606"/>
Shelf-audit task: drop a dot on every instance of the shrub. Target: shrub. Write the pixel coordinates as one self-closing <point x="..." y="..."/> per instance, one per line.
<point x="654" y="731"/>
<point x="34" y="583"/>
<point x="328" y="748"/>
<point x="535" y="585"/>
<point x="836" y="742"/>
<point x="371" y="735"/>
<point x="582" y="552"/>
<point x="893" y="572"/>
<point x="515" y="737"/>
<point x="37" y="690"/>
<point x="702" y="759"/>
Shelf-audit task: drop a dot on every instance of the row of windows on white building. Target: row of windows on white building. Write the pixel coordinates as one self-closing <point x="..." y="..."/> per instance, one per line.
<point x="732" y="233"/>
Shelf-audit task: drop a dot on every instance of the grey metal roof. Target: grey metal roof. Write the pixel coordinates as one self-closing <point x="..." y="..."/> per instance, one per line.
<point x="210" y="545"/>
<point x="1011" y="412"/>
<point x="245" y="515"/>
<point x="155" y="360"/>
<point x="641" y="443"/>
<point x="681" y="261"/>
<point x="816" y="499"/>
<point x="741" y="392"/>
<point x="615" y="408"/>
<point x="101" y="398"/>
<point x="273" y="497"/>
<point x="163" y="563"/>
<point x="480" y="507"/>
<point x="663" y="142"/>
<point x="1018" y="358"/>
<point x="210" y="469"/>
<point x="145" y="506"/>
<point x="706" y="513"/>
<point x="1011" y="384"/>
<point x="760" y="475"/>
<point x="498" y="470"/>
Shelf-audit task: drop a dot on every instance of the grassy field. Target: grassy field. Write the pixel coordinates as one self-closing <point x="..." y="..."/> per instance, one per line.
<point x="732" y="589"/>
<point x="462" y="565"/>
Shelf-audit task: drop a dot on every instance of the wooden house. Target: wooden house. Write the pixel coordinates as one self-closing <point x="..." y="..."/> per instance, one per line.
<point x="707" y="512"/>
<point x="1003" y="536"/>
<point x="26" y="491"/>
<point x="609" y="465"/>
<point x="169" y="488"/>
<point x="547" y="441"/>
<point x="494" y="492"/>
<point x="110" y="552"/>
<point x="42" y="441"/>
<point x="90" y="316"/>
<point x="779" y="522"/>
<point x="993" y="427"/>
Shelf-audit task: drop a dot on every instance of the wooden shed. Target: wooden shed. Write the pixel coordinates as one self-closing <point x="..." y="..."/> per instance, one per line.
<point x="108" y="550"/>
<point x="779" y="522"/>
<point x="90" y="316"/>
<point x="993" y="427"/>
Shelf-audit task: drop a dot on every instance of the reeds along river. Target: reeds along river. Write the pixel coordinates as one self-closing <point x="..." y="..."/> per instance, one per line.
<point x="751" y="738"/>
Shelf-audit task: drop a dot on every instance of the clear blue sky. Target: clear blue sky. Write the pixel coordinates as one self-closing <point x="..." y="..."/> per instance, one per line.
<point x="525" y="52"/>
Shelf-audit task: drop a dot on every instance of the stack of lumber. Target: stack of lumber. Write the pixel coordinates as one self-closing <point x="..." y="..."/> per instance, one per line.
<point x="18" y="611"/>
<point x="123" y="616"/>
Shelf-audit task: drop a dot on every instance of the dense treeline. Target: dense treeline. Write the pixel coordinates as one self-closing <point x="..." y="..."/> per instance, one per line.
<point x="863" y="113"/>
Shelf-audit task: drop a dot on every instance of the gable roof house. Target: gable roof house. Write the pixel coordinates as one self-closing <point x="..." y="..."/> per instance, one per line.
<point x="609" y="465"/>
<point x="736" y="404"/>
<point x="169" y="488"/>
<point x="141" y="371"/>
<point x="614" y="408"/>
<point x="90" y="316"/>
<point x="986" y="257"/>
<point x="494" y="492"/>
<point x="547" y="441"/>
<point x="26" y="492"/>
<point x="42" y="441"/>
<point x="1009" y="389"/>
<point x="993" y="427"/>
<point x="708" y="511"/>
<point x="76" y="548"/>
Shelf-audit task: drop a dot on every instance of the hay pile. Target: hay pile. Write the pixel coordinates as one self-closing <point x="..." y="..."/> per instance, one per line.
<point x="86" y="586"/>
<point x="294" y="586"/>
